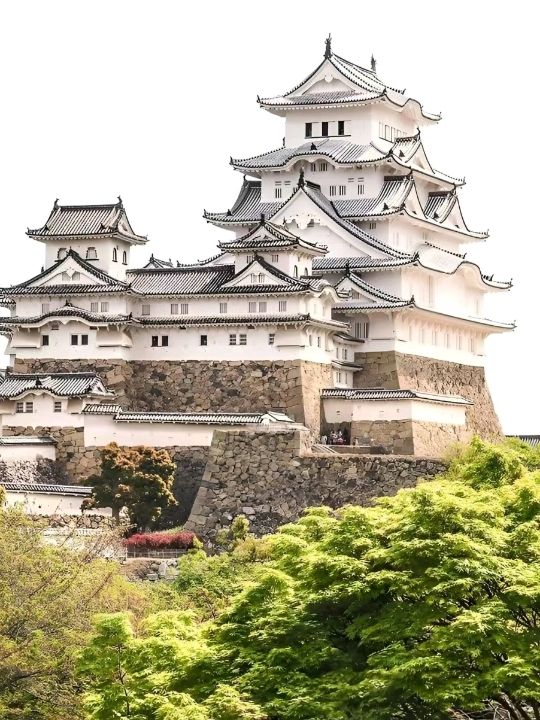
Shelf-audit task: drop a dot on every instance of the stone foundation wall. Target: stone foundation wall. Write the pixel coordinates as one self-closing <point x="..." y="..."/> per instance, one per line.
<point x="271" y="478"/>
<point x="408" y="437"/>
<point x="395" y="370"/>
<point x="202" y="386"/>
<point x="74" y="462"/>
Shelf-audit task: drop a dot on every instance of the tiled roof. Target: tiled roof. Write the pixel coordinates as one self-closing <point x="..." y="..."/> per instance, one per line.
<point x="61" y="384"/>
<point x="372" y="290"/>
<point x="107" y="283"/>
<point x="195" y="418"/>
<point x="67" y="310"/>
<point x="337" y="149"/>
<point x="367" y="87"/>
<point x="247" y="208"/>
<point x="76" y="220"/>
<point x="158" y="264"/>
<point x="27" y="440"/>
<point x="101" y="409"/>
<point x="364" y="263"/>
<point x="390" y="200"/>
<point x="270" y="236"/>
<point x="381" y="394"/>
<point x="344" y="307"/>
<point x="45" y="488"/>
<point x="251" y="319"/>
<point x="191" y="280"/>
<point x="533" y="440"/>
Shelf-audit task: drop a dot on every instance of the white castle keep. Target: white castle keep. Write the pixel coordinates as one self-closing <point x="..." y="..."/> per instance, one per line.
<point x="343" y="297"/>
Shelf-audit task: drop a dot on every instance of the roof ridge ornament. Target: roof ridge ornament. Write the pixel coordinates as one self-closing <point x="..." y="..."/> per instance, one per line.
<point x="56" y="206"/>
<point x="328" y="47"/>
<point x="373" y="64"/>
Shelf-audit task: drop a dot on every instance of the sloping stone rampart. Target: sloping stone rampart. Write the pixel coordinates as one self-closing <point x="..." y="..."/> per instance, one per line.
<point x="272" y="477"/>
<point x="393" y="371"/>
<point x="204" y="386"/>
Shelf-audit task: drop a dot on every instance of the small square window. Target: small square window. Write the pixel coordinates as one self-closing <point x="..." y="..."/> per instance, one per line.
<point x="84" y="339"/>
<point x="76" y="276"/>
<point x="249" y="259"/>
<point x="282" y="306"/>
<point x="309" y="129"/>
<point x="184" y="308"/>
<point x="275" y="258"/>
<point x="271" y="338"/>
<point x="243" y="339"/>
<point x="333" y="189"/>
<point x="57" y="406"/>
<point x="174" y="308"/>
<point x="29" y="407"/>
<point x="262" y="278"/>
<point x="44" y="340"/>
<point x="155" y="341"/>
<point x="145" y="309"/>
<point x="91" y="253"/>
<point x="323" y="167"/>
<point x="204" y="339"/>
<point x="232" y="339"/>
<point x="223" y="307"/>
<point x="164" y="341"/>
<point x="94" y="307"/>
<point x="104" y="307"/>
<point x="45" y="307"/>
<point x="252" y="307"/>
<point x="262" y="306"/>
<point x="19" y="407"/>
<point x="74" y="339"/>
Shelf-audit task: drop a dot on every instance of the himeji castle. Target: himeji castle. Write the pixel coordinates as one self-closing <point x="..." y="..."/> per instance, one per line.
<point x="340" y="296"/>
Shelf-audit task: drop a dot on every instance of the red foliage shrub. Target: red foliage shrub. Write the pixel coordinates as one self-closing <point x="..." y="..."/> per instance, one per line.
<point x="160" y="541"/>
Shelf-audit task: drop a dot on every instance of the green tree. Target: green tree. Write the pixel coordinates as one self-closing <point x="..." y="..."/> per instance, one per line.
<point x="426" y="605"/>
<point x="48" y="597"/>
<point x="137" y="478"/>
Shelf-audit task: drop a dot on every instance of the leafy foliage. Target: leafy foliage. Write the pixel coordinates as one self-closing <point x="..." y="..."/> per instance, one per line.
<point x="426" y="605"/>
<point x="48" y="597"/>
<point x="137" y="478"/>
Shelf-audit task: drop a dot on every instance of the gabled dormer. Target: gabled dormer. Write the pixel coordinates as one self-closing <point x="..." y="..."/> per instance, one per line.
<point x="101" y="234"/>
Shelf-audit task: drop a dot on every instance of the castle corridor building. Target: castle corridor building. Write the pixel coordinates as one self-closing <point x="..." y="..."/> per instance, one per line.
<point x="341" y="294"/>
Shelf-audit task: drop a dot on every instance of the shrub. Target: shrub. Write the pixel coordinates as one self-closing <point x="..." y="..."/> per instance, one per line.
<point x="160" y="541"/>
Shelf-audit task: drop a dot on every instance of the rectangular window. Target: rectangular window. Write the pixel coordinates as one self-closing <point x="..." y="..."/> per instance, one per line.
<point x="372" y="225"/>
<point x="145" y="309"/>
<point x="262" y="278"/>
<point x="249" y="259"/>
<point x="204" y="340"/>
<point x="324" y="129"/>
<point x="104" y="307"/>
<point x="323" y="167"/>
<point x="164" y="341"/>
<point x="184" y="308"/>
<point x="447" y="339"/>
<point x="355" y="295"/>
<point x="342" y="189"/>
<point x="262" y="306"/>
<point x="74" y="339"/>
<point x="275" y="258"/>
<point x="435" y="337"/>
<point x="313" y="167"/>
<point x="282" y="306"/>
<point x="318" y="341"/>
<point x="29" y="407"/>
<point x="309" y="129"/>
<point x="174" y="308"/>
<point x="84" y="339"/>
<point x="459" y="341"/>
<point x="339" y="377"/>
<point x="332" y="190"/>
<point x="271" y="338"/>
<point x="76" y="276"/>
<point x="431" y="291"/>
<point x="45" y="307"/>
<point x="94" y="307"/>
<point x="341" y="127"/>
<point x="155" y="341"/>
<point x="19" y="407"/>
<point x="57" y="406"/>
<point x="361" y="186"/>
<point x="44" y="340"/>
<point x="277" y="189"/>
<point x="65" y="277"/>
<point x="344" y="353"/>
<point x="361" y="330"/>
<point x="422" y="335"/>
<point x="223" y="307"/>
<point x="387" y="132"/>
<point x="232" y="339"/>
<point x="381" y="130"/>
<point x="243" y="339"/>
<point x="252" y="307"/>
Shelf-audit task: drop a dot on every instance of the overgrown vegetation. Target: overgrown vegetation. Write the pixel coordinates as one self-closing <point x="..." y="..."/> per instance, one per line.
<point x="426" y="605"/>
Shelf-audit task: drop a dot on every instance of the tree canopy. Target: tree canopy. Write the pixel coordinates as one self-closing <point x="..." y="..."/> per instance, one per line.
<point x="426" y="605"/>
<point x="137" y="478"/>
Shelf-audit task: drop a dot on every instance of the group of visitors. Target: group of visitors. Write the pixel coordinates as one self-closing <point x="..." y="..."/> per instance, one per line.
<point x="339" y="437"/>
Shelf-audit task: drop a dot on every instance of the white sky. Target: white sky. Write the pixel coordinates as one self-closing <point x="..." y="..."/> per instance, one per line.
<point x="150" y="99"/>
